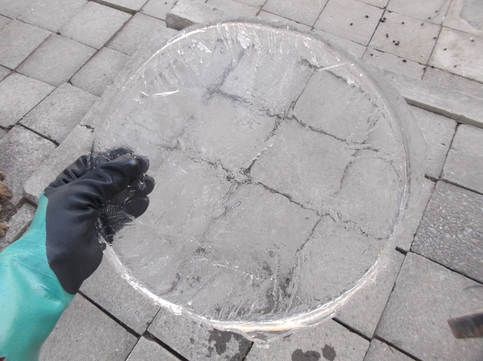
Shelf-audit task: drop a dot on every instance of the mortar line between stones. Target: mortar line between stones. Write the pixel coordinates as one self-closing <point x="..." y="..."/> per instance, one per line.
<point x="39" y="134"/>
<point x="460" y="186"/>
<point x="449" y="149"/>
<point x="351" y="329"/>
<point x="114" y="6"/>
<point x="130" y="352"/>
<point x="172" y="351"/>
<point x="432" y="51"/>
<point x="397" y="348"/>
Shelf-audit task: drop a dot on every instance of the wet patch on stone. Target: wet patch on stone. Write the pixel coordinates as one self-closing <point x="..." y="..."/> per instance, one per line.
<point x="221" y="339"/>
<point x="299" y="355"/>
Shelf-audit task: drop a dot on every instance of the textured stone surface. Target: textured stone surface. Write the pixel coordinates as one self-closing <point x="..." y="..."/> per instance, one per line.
<point x="158" y="8"/>
<point x="148" y="350"/>
<point x="2" y="133"/>
<point x="189" y="12"/>
<point x="327" y="341"/>
<point x="22" y="152"/>
<point x="439" y="132"/>
<point x="451" y="232"/>
<point x="380" y="351"/>
<point x="3" y="72"/>
<point x="19" y="94"/>
<point x="256" y="3"/>
<point x="127" y="4"/>
<point x="355" y="49"/>
<point x="56" y="60"/>
<point x="17" y="41"/>
<point x="94" y="25"/>
<point x="465" y="15"/>
<point x="464" y="165"/>
<point x="429" y="10"/>
<point x="406" y="37"/>
<point x="100" y="71"/>
<point x="18" y="224"/>
<point x="3" y="21"/>
<point x="393" y="63"/>
<point x="57" y="115"/>
<point x="233" y="8"/>
<point x="14" y="8"/>
<point x="114" y="294"/>
<point x="195" y="340"/>
<point x="85" y="333"/>
<point x="378" y="3"/>
<point x="303" y="11"/>
<point x="272" y="17"/>
<point x="359" y="22"/>
<point x="425" y="296"/>
<point x="454" y="82"/>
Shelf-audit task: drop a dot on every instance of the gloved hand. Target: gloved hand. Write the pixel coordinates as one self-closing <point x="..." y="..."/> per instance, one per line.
<point x="41" y="272"/>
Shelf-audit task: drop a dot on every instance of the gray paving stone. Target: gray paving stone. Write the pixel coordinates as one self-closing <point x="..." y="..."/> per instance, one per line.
<point x="2" y="133"/>
<point x="100" y="71"/>
<point x="425" y="296"/>
<point x="56" y="60"/>
<point x="22" y="151"/>
<point x="380" y="351"/>
<point x="51" y="14"/>
<point x="451" y="81"/>
<point x="195" y="340"/>
<point x="233" y="8"/>
<point x="141" y="31"/>
<point x="451" y="230"/>
<point x="158" y="8"/>
<point x="439" y="132"/>
<point x="18" y="40"/>
<point x="430" y="10"/>
<point x="4" y="21"/>
<point x="303" y="11"/>
<point x="378" y="3"/>
<point x="147" y="350"/>
<point x="357" y="24"/>
<point x="18" y="225"/>
<point x="355" y="49"/>
<point x="77" y="143"/>
<point x="459" y="53"/>
<point x="327" y="341"/>
<point x="135" y="5"/>
<point x="188" y="12"/>
<point x="406" y="37"/>
<point x="256" y="3"/>
<point x="108" y="289"/>
<point x="3" y="72"/>
<point x="465" y="15"/>
<point x="14" y="8"/>
<point x="464" y="165"/>
<point x="85" y="333"/>
<point x="58" y="114"/>
<point x="19" y="94"/>
<point x="94" y="25"/>
<point x="272" y="17"/>
<point x="364" y="309"/>
<point x="394" y="63"/>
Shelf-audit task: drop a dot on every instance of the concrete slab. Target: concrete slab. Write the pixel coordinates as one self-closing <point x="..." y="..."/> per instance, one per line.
<point x="100" y="71"/>
<point x="425" y="296"/>
<point x="148" y="350"/>
<point x="451" y="81"/>
<point x="85" y="333"/>
<point x="433" y="11"/>
<point x="3" y="72"/>
<point x="51" y="14"/>
<point x="303" y="11"/>
<point x="459" y="53"/>
<point x="4" y="21"/>
<point x="22" y="151"/>
<point x="233" y="8"/>
<point x="439" y="132"/>
<point x="195" y="340"/>
<point x="14" y="8"/>
<point x="18" y="225"/>
<point x="141" y="31"/>
<point x="58" y="114"/>
<point x="157" y="8"/>
<point x="464" y="165"/>
<point x="451" y="229"/>
<point x="394" y="63"/>
<point x="134" y="5"/>
<point x="406" y="37"/>
<point x="327" y="341"/>
<point x="380" y="351"/>
<point x="187" y="12"/>
<point x="18" y="95"/>
<point x="465" y="15"/>
<point x="94" y="25"/>
<point x="272" y="17"/>
<point x="56" y="60"/>
<point x="355" y="49"/>
<point x="18" y="40"/>
<point x="358" y="24"/>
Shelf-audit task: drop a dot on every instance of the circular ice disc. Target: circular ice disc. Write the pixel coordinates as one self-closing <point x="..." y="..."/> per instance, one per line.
<point x="281" y="171"/>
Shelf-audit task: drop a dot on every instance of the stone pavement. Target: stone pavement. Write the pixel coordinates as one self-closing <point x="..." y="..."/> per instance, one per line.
<point x="58" y="56"/>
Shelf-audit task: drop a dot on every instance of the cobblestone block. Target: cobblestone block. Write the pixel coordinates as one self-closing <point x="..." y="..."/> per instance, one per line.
<point x="108" y="289"/>
<point x="60" y="112"/>
<point x="358" y="24"/>
<point x="100" y="71"/>
<point x="406" y="37"/>
<point x="94" y="25"/>
<point x="51" y="14"/>
<point x="195" y="340"/>
<point x="464" y="165"/>
<point x="158" y="8"/>
<point x="140" y="32"/>
<point x="56" y="60"/>
<point x="327" y="341"/>
<point x="18" y="225"/>
<point x="429" y="10"/>
<point x="134" y="5"/>
<point x="394" y="63"/>
<point x="233" y="8"/>
<point x="19" y="94"/>
<point x="147" y="350"/>
<point x="426" y="295"/>
<point x="18" y="40"/>
<point x="439" y="132"/>
<point x="459" y="53"/>
<point x="3" y="21"/>
<point x="272" y="17"/>
<point x="22" y="151"/>
<point x="14" y="8"/>
<point x="303" y="11"/>
<point x="188" y="12"/>
<point x="450" y="81"/>
<point x="380" y="351"/>
<point x="85" y="333"/>
<point x="451" y="230"/>
<point x="3" y="72"/>
<point x="355" y="49"/>
<point x="77" y="143"/>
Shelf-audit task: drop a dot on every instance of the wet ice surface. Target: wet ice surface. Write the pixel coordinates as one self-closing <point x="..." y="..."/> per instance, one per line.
<point x="280" y="173"/>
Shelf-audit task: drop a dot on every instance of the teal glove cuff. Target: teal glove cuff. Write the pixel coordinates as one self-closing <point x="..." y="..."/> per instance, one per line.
<point x="31" y="297"/>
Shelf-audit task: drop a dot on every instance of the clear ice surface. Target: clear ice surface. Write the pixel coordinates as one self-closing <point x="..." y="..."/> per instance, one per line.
<point x="282" y="170"/>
